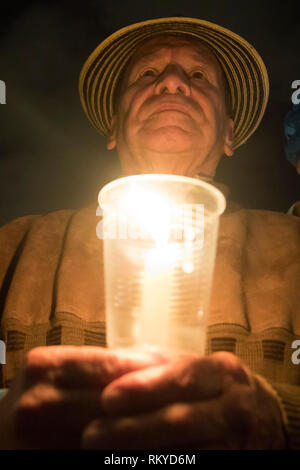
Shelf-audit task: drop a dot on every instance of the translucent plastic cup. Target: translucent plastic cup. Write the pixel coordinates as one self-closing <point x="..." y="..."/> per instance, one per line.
<point x="160" y="234"/>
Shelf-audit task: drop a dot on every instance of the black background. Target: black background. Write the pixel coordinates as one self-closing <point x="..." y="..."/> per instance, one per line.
<point x="50" y="156"/>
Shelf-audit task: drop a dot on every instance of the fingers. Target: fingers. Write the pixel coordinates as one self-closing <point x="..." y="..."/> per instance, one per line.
<point x="76" y="367"/>
<point x="58" y="391"/>
<point x="176" y="426"/>
<point x="163" y="384"/>
<point x="228" y="421"/>
<point x="207" y="402"/>
<point x="184" y="380"/>
<point x="44" y="406"/>
<point x="49" y="418"/>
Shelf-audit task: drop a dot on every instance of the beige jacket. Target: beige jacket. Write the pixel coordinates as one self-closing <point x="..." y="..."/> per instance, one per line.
<point x="52" y="292"/>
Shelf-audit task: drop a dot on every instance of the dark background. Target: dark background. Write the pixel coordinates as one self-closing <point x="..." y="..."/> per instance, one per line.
<point x="50" y="156"/>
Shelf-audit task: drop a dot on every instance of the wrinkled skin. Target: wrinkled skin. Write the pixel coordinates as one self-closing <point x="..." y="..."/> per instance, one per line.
<point x="172" y="116"/>
<point x="57" y="393"/>
<point x="210" y="402"/>
<point x="69" y="397"/>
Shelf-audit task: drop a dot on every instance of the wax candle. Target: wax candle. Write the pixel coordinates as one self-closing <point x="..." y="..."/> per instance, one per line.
<point x="156" y="296"/>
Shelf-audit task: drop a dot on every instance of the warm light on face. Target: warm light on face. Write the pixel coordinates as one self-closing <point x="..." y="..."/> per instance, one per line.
<point x="170" y="116"/>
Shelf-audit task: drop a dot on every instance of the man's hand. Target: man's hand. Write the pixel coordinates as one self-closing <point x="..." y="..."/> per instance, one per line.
<point x="190" y="402"/>
<point x="58" y="392"/>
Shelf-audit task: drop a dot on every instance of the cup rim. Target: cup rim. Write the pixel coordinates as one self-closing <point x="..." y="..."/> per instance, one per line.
<point x="220" y="198"/>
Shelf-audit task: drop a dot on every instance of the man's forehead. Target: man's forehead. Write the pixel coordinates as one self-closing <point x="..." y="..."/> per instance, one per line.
<point x="154" y="46"/>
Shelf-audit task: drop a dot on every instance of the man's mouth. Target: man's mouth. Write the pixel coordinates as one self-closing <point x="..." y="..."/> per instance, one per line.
<point x="170" y="107"/>
<point x="172" y="111"/>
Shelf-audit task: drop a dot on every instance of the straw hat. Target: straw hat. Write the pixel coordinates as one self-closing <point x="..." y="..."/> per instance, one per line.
<point x="243" y="67"/>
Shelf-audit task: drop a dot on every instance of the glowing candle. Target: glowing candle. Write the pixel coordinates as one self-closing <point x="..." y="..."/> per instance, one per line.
<point x="158" y="265"/>
<point x="155" y="305"/>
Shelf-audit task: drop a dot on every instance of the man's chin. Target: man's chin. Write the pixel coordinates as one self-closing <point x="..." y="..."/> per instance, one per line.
<point x="167" y="139"/>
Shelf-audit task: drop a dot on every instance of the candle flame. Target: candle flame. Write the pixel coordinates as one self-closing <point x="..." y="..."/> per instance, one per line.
<point x="150" y="211"/>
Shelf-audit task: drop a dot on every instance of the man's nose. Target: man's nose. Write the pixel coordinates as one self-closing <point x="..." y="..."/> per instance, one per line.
<point x="173" y="80"/>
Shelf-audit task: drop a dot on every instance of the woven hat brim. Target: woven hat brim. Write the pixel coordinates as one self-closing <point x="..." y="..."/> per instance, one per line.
<point x="243" y="67"/>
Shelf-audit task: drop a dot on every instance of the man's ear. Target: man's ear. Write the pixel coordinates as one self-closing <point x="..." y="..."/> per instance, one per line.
<point x="228" y="144"/>
<point x="112" y="140"/>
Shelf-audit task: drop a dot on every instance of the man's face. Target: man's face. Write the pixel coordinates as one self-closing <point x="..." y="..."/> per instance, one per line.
<point x="171" y="115"/>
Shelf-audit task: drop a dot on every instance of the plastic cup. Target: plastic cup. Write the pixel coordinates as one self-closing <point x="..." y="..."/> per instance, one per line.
<point x="159" y="236"/>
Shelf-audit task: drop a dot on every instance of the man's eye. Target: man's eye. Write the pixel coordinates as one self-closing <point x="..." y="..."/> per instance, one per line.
<point x="148" y="73"/>
<point x="197" y="74"/>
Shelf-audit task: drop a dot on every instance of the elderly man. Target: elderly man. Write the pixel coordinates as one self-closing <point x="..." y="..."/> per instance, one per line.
<point x="172" y="95"/>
